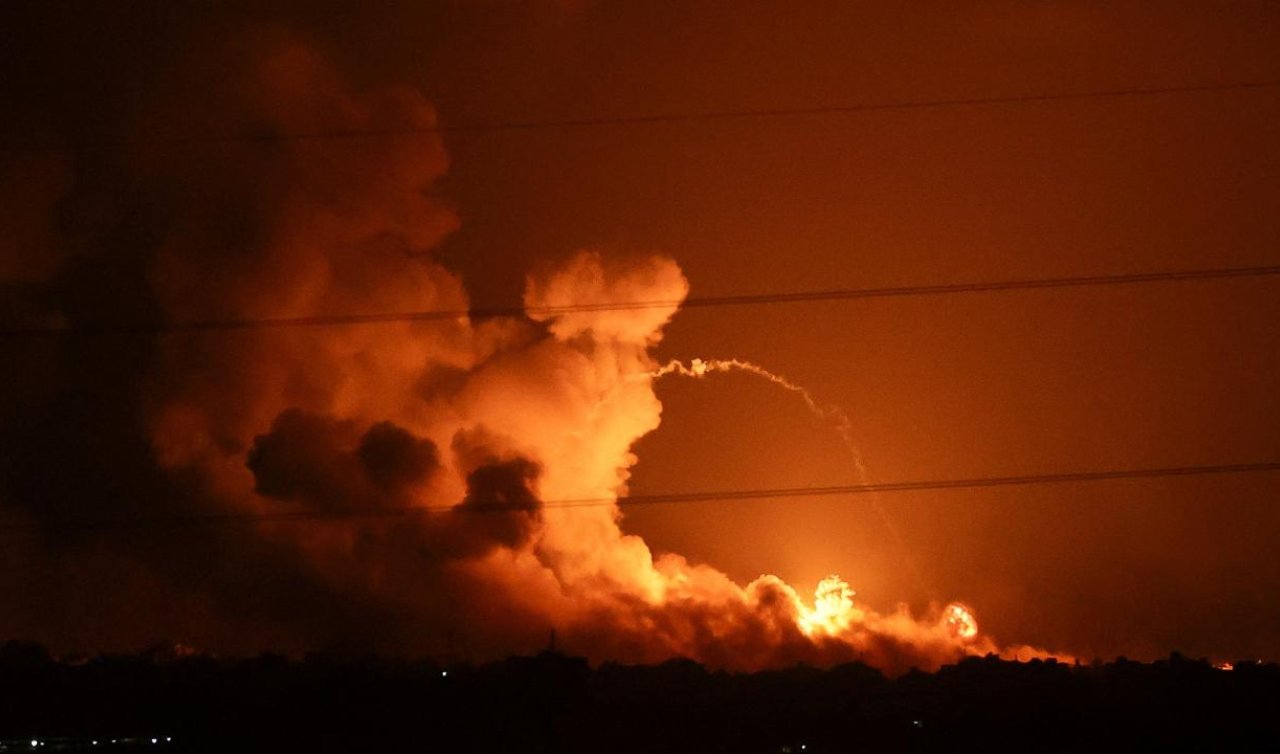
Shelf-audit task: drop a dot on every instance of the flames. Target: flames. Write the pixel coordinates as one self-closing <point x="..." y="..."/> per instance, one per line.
<point x="960" y="621"/>
<point x="835" y="615"/>
<point x="833" y="610"/>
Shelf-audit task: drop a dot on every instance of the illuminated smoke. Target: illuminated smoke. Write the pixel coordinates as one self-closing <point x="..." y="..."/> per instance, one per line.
<point x="833" y="611"/>
<point x="484" y="418"/>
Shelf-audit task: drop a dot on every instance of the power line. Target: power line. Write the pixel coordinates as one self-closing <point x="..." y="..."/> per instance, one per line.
<point x="690" y="117"/>
<point x="980" y="287"/>
<point x="838" y="294"/>
<point x="304" y="516"/>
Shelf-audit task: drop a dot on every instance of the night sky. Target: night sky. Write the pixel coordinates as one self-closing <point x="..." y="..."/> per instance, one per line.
<point x="164" y="163"/>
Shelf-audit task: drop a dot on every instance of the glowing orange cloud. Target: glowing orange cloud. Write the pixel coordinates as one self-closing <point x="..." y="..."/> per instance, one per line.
<point x="458" y="413"/>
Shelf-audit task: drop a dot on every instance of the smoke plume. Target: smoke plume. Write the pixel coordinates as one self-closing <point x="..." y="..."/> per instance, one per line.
<point x="479" y="423"/>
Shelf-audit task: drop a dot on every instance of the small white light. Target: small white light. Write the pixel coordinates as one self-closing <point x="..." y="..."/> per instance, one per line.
<point x="95" y="743"/>
<point x="444" y="674"/>
<point x="34" y="743"/>
<point x="154" y="741"/>
<point x="167" y="739"/>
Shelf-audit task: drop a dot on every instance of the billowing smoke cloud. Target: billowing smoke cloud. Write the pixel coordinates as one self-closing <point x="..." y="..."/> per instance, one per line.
<point x="321" y="461"/>
<point x="488" y="424"/>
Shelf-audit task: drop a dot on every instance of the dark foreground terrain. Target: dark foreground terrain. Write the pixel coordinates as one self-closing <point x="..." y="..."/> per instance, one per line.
<point x="553" y="703"/>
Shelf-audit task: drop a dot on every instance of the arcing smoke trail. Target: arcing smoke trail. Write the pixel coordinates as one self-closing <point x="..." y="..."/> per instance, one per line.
<point x="702" y="367"/>
<point x="698" y="368"/>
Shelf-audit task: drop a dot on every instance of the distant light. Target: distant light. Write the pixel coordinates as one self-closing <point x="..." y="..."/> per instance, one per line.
<point x="154" y="741"/>
<point x="444" y="674"/>
<point x="95" y="743"/>
<point x="167" y="739"/>
<point x="34" y="743"/>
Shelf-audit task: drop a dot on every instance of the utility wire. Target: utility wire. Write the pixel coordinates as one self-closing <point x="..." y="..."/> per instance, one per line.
<point x="686" y="117"/>
<point x="304" y="516"/>
<point x="838" y="294"/>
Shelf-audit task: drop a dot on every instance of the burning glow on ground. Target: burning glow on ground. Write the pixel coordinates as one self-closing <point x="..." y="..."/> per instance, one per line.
<point x="961" y="621"/>
<point x="833" y="609"/>
<point x="834" y="613"/>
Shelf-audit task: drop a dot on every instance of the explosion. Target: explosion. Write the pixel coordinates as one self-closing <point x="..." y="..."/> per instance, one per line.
<point x="486" y="419"/>
<point x="833" y="611"/>
<point x="961" y="621"/>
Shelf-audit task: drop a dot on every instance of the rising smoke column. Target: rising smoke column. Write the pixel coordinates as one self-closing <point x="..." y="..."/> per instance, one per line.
<point x="486" y="418"/>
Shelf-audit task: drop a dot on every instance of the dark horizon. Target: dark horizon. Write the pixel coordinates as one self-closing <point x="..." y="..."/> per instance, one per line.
<point x="555" y="702"/>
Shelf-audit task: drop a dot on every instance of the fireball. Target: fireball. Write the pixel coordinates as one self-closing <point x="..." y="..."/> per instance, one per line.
<point x="833" y="611"/>
<point x="960" y="621"/>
